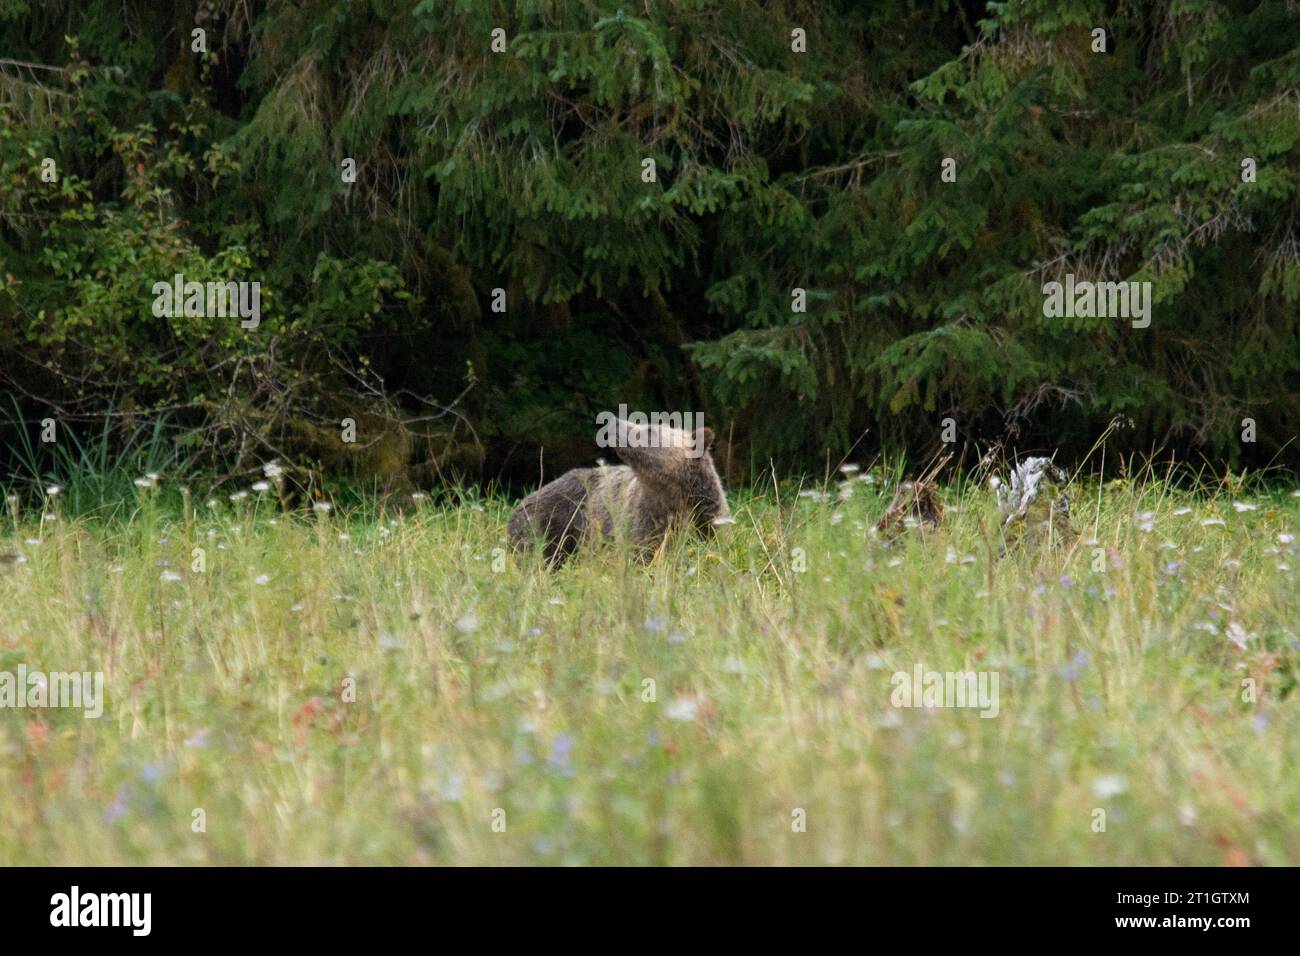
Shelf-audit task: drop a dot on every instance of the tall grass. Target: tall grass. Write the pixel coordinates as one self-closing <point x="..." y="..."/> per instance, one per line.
<point x="95" y="466"/>
<point x="728" y="703"/>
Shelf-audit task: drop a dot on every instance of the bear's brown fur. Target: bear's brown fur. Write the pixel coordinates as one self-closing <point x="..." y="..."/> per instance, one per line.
<point x="915" y="499"/>
<point x="660" y="486"/>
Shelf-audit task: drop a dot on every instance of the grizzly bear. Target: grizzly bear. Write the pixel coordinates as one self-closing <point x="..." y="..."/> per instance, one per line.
<point x="668" y="481"/>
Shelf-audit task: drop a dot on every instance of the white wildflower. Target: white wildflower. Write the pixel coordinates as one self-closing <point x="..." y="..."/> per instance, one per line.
<point x="1238" y="635"/>
<point x="682" y="709"/>
<point x="1110" y="785"/>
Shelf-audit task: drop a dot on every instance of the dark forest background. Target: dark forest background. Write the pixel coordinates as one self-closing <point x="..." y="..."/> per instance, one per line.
<point x="522" y="170"/>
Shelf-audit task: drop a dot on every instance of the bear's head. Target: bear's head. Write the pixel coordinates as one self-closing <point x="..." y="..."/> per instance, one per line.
<point x="676" y="466"/>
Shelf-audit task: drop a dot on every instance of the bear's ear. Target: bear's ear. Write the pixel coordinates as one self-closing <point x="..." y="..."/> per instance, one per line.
<point x="699" y="442"/>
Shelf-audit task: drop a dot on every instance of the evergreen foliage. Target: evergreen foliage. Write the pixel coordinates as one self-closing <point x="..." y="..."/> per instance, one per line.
<point x="775" y="170"/>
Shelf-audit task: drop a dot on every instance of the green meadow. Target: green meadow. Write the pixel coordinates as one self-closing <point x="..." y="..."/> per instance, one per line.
<point x="384" y="683"/>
